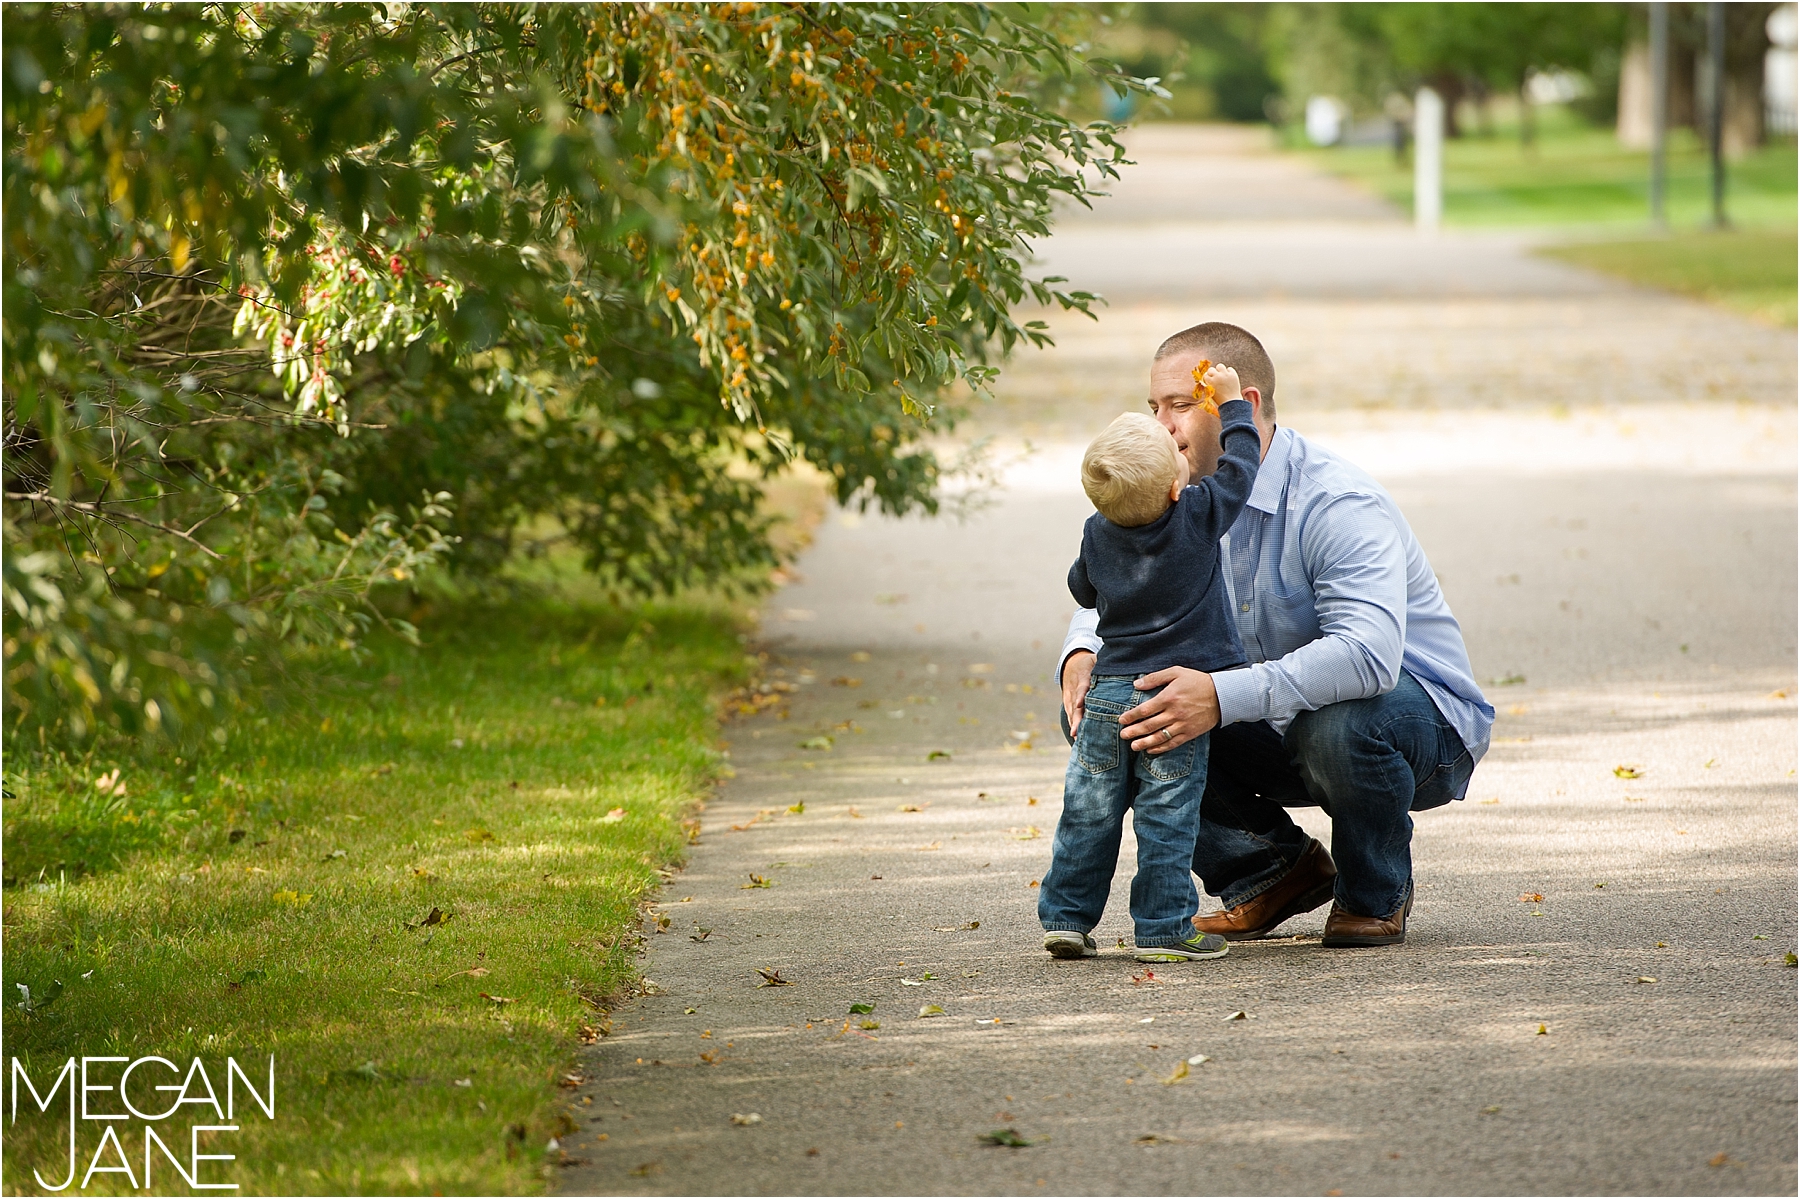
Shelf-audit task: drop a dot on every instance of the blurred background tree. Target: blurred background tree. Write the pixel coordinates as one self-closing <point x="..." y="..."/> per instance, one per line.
<point x="1263" y="62"/>
<point x="303" y="300"/>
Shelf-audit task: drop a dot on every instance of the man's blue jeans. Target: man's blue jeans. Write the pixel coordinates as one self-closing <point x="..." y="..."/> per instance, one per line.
<point x="1368" y="763"/>
<point x="1106" y="777"/>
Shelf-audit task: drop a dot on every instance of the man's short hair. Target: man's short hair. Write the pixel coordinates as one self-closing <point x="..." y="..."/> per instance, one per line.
<point x="1128" y="469"/>
<point x="1236" y="348"/>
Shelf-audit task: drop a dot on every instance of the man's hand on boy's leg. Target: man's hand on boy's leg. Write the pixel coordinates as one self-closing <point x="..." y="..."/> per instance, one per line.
<point x="1187" y="706"/>
<point x="1077" y="675"/>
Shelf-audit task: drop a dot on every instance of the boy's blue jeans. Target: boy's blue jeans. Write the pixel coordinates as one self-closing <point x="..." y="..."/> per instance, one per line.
<point x="1106" y="777"/>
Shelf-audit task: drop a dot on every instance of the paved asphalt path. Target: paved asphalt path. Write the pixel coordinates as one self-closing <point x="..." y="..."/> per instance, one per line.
<point x="1605" y="481"/>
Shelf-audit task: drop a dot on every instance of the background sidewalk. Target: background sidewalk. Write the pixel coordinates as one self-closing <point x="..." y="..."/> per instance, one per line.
<point x="1604" y="479"/>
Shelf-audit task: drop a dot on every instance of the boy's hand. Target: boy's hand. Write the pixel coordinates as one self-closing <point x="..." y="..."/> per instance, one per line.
<point x="1224" y="382"/>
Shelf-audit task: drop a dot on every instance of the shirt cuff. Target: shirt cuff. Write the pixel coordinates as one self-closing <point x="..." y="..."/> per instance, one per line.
<point x="1240" y="698"/>
<point x="1081" y="636"/>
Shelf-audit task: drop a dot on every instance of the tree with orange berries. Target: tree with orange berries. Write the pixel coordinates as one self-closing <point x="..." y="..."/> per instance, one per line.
<point x="302" y="300"/>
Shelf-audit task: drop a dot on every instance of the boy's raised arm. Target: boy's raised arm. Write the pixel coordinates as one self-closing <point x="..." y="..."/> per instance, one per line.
<point x="1223" y="493"/>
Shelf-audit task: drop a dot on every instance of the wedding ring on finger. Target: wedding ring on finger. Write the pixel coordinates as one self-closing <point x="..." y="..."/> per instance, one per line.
<point x="1166" y="735"/>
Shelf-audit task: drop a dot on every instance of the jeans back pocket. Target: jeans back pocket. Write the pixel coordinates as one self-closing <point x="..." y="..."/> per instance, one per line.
<point x="1178" y="763"/>
<point x="1097" y="740"/>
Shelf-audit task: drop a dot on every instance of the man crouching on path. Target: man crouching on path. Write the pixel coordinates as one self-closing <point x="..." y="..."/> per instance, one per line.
<point x="1359" y="698"/>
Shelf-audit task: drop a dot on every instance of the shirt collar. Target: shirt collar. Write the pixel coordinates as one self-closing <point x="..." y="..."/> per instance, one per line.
<point x="1271" y="477"/>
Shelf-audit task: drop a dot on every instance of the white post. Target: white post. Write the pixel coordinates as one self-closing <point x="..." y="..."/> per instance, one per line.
<point x="1428" y="160"/>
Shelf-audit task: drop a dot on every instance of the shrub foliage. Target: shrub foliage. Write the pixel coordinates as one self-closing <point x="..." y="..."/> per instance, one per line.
<point x="301" y="300"/>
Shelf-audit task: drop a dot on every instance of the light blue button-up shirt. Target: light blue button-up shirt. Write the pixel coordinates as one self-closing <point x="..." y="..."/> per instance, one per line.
<point x="1333" y="598"/>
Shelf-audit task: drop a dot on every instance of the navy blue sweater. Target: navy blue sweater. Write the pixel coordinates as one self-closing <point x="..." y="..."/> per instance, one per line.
<point x="1158" y="588"/>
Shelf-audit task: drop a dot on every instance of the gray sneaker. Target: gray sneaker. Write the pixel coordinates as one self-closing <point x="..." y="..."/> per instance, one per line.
<point x="1065" y="944"/>
<point x="1196" y="948"/>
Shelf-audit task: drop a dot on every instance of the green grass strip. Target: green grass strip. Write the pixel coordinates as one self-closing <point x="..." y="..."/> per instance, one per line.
<point x="526" y="773"/>
<point x="1752" y="271"/>
<point x="1576" y="174"/>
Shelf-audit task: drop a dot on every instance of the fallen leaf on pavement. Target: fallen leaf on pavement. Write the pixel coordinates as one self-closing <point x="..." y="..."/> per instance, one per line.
<point x="869" y="1025"/>
<point x="1148" y="976"/>
<point x="1543" y="1030"/>
<point x="912" y="807"/>
<point x="1009" y="1137"/>
<point x="996" y="1021"/>
<point x="1718" y="1159"/>
<point x="1645" y="978"/>
<point x="1029" y="832"/>
<point x="1491" y="1111"/>
<point x="957" y="928"/>
<point x="1627" y="772"/>
<point x="853" y="813"/>
<point x="930" y="1009"/>
<point x="798" y="809"/>
<point x="1199" y="1059"/>
<point x="699" y="934"/>
<point x="646" y="1169"/>
<point x="757" y="882"/>
<point x="911" y="982"/>
<point x="861" y="1009"/>
<point x="745" y="1120"/>
<point x="1531" y="897"/>
<point x="1179" y="1075"/>
<point x="1791" y="960"/>
<point x="936" y="754"/>
<point x="932" y="846"/>
<point x="772" y="978"/>
<point x="1032" y="883"/>
<point x="845" y="680"/>
<point x="1236" y="1016"/>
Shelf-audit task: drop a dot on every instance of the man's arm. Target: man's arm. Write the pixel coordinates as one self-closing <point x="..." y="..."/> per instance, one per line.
<point x="1357" y="566"/>
<point x="1075" y="665"/>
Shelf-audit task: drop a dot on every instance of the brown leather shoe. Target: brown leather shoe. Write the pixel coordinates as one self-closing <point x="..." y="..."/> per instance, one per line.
<point x="1305" y="886"/>
<point x="1347" y="930"/>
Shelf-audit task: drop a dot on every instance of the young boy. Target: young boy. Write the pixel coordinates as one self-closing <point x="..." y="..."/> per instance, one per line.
<point x="1150" y="566"/>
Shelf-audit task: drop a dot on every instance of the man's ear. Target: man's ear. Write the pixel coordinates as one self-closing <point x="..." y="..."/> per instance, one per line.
<point x="1253" y="393"/>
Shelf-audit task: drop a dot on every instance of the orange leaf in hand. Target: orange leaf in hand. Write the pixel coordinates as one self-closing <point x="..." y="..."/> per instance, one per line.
<point x="1203" y="391"/>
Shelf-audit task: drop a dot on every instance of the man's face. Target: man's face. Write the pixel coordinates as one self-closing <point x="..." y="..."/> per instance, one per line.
<point x="1172" y="403"/>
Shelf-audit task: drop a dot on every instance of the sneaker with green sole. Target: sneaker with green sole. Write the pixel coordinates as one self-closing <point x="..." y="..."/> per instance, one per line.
<point x="1066" y="944"/>
<point x="1196" y="948"/>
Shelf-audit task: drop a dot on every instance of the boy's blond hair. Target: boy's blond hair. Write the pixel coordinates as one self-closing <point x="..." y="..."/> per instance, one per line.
<point x="1128" y="470"/>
